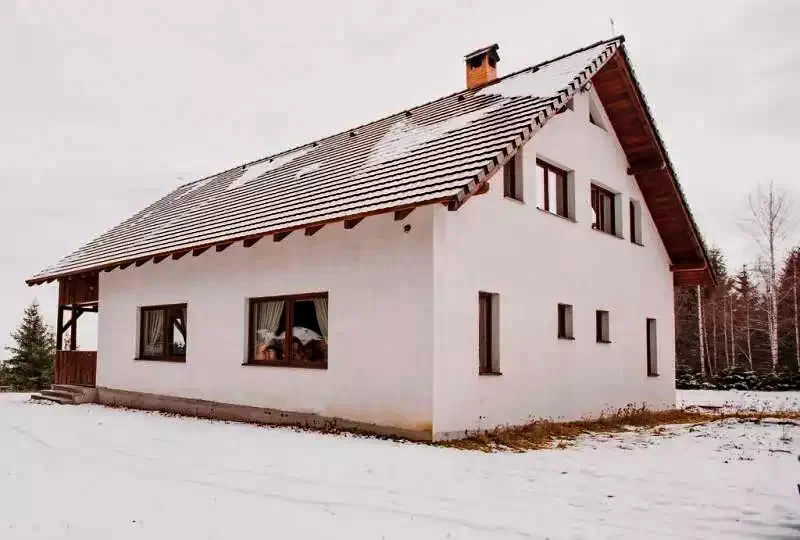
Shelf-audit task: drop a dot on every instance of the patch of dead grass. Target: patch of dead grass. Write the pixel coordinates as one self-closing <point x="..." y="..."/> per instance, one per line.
<point x="549" y="434"/>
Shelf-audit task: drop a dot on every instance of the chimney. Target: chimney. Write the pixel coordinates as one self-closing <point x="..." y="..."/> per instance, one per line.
<point x="482" y="66"/>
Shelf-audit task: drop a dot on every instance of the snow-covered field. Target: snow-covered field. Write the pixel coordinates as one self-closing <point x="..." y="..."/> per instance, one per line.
<point x="741" y="399"/>
<point x="88" y="472"/>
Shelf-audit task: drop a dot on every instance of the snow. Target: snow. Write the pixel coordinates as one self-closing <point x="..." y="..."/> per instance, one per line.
<point x="404" y="135"/>
<point x="547" y="80"/>
<point x="308" y="169"/>
<point x="258" y="169"/>
<point x="741" y="399"/>
<point x="194" y="187"/>
<point x="90" y="472"/>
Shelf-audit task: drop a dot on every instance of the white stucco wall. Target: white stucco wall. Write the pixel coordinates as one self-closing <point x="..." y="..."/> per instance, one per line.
<point x="535" y="260"/>
<point x="379" y="280"/>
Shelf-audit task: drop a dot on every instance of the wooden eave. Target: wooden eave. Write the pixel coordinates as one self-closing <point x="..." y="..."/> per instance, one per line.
<point x="649" y="163"/>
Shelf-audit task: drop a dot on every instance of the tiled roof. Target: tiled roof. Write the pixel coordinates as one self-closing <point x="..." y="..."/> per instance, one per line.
<point x="436" y="152"/>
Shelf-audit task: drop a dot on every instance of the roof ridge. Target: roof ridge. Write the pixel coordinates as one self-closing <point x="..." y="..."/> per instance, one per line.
<point x="619" y="37"/>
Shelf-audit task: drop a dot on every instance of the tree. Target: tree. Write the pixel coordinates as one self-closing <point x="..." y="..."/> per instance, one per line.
<point x="30" y="366"/>
<point x="768" y="224"/>
<point x="744" y="288"/>
<point x="788" y="311"/>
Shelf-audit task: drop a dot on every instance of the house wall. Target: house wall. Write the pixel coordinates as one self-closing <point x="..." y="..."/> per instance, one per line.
<point x="534" y="260"/>
<point x="380" y="323"/>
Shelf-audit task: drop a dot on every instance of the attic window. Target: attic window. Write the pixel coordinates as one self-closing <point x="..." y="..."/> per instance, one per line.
<point x="595" y="118"/>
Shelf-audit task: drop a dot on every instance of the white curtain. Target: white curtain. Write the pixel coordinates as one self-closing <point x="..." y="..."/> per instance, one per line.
<point x="154" y="328"/>
<point x="268" y="318"/>
<point x="321" y="308"/>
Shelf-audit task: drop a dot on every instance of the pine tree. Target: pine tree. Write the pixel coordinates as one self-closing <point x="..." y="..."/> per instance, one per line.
<point x="30" y="366"/>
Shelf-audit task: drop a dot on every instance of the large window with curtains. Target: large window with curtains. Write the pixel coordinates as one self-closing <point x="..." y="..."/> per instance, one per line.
<point x="162" y="333"/>
<point x="289" y="331"/>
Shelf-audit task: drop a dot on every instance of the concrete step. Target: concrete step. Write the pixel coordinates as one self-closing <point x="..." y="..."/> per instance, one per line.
<point x="72" y="389"/>
<point x="60" y="394"/>
<point x="54" y="399"/>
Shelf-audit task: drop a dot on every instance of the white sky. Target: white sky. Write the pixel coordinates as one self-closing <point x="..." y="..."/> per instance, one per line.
<point x="105" y="106"/>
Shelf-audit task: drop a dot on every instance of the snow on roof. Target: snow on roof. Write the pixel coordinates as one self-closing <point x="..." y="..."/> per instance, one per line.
<point x="431" y="153"/>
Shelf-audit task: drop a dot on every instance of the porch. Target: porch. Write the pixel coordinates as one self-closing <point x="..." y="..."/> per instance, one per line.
<point x="76" y="296"/>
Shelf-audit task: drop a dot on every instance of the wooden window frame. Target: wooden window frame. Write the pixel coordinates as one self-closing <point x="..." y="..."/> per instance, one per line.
<point x="566" y="323"/>
<point x="652" y="348"/>
<point x="512" y="179"/>
<point x="561" y="176"/>
<point x="488" y="361"/>
<point x="635" y="216"/>
<point x="597" y="193"/>
<point x="167" y="330"/>
<point x="288" y="355"/>
<point x="603" y="328"/>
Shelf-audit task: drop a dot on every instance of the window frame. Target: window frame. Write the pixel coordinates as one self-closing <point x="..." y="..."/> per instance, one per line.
<point x="168" y="333"/>
<point x="288" y="359"/>
<point x="603" y="326"/>
<point x="566" y="322"/>
<point x="560" y="175"/>
<point x="635" y="217"/>
<point x="595" y="194"/>
<point x="488" y="350"/>
<point x="512" y="179"/>
<point x="652" y="347"/>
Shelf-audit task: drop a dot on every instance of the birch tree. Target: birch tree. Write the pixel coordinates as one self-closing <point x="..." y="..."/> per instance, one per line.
<point x="768" y="224"/>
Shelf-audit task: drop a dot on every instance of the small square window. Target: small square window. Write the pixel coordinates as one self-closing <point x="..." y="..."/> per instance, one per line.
<point x="652" y="349"/>
<point x="553" y="193"/>
<point x="604" y="210"/>
<point x="603" y="327"/>
<point x="565" y="321"/>
<point x="512" y="178"/>
<point x="163" y="333"/>
<point x="488" y="330"/>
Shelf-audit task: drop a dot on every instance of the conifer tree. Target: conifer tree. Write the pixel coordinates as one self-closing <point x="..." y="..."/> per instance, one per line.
<point x="30" y="366"/>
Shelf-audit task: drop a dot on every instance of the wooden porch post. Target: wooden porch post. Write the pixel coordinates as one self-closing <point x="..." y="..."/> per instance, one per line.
<point x="60" y="328"/>
<point x="73" y="338"/>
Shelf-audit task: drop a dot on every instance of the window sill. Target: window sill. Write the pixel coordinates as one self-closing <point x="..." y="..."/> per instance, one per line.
<point x="549" y="213"/>
<point x="322" y="366"/>
<point x="612" y="235"/>
<point x="566" y="338"/>
<point x="604" y="342"/>
<point x="171" y="359"/>
<point x="653" y="375"/>
<point x="514" y="199"/>
<point x="637" y="243"/>
<point x="489" y="373"/>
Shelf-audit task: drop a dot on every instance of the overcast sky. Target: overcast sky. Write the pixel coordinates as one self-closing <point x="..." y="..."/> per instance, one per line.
<point x="105" y="106"/>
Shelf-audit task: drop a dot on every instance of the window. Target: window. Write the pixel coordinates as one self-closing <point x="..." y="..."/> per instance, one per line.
<point x="565" y="321"/>
<point x="603" y="210"/>
<point x="162" y="333"/>
<point x="553" y="189"/>
<point x="652" y="355"/>
<point x="512" y="178"/>
<point x="635" y="211"/>
<point x="603" y="330"/>
<point x="289" y="331"/>
<point x="487" y="334"/>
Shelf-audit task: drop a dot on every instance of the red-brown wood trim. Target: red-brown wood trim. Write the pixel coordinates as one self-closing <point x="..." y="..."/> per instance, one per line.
<point x="400" y="215"/>
<point x="179" y="254"/>
<point x="222" y="247"/>
<point x="125" y="265"/>
<point x="311" y="231"/>
<point x="141" y="262"/>
<point x="196" y="252"/>
<point x="277" y="237"/>
<point x="250" y="242"/>
<point x="684" y="267"/>
<point x="159" y="258"/>
<point x="351" y="223"/>
<point x="643" y="168"/>
<point x="482" y="189"/>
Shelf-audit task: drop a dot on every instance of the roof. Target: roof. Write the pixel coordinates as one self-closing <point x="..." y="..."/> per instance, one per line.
<point x="439" y="152"/>
<point x="491" y="50"/>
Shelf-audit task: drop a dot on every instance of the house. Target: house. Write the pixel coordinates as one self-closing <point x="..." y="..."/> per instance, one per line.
<point x="503" y="253"/>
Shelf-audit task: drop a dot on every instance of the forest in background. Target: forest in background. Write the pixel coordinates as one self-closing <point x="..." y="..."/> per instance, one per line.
<point x="743" y="332"/>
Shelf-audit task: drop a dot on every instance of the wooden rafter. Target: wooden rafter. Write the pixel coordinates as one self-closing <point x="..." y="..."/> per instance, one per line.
<point x="277" y="237"/>
<point x="222" y="247"/>
<point x="196" y="252"/>
<point x="250" y="242"/>
<point x="351" y="223"/>
<point x="400" y="215"/>
<point x="311" y="231"/>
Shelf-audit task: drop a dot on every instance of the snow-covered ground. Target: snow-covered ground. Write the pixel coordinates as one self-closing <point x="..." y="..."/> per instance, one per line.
<point x="741" y="399"/>
<point x="88" y="472"/>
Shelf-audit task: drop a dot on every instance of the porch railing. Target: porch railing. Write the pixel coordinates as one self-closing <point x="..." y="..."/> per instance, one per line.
<point x="75" y="367"/>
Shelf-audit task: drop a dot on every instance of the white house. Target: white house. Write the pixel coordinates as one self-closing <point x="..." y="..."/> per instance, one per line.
<point x="501" y="254"/>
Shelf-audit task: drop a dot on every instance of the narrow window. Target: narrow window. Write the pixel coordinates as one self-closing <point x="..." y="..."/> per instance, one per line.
<point x="163" y="333"/>
<point x="635" y="211"/>
<point x="289" y="331"/>
<point x="552" y="189"/>
<point x="512" y="178"/>
<point x="603" y="331"/>
<point x="652" y="348"/>
<point x="487" y="334"/>
<point x="565" y="321"/>
<point x="603" y="210"/>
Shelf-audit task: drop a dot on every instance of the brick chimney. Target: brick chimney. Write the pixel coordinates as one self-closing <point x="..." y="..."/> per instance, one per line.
<point x="482" y="66"/>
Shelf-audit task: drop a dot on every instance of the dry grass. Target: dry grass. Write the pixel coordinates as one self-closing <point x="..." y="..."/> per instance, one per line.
<point x="549" y="434"/>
